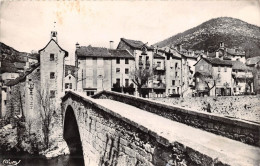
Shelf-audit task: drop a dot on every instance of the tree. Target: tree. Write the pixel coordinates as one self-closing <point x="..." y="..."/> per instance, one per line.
<point x="140" y="77"/>
<point x="46" y="113"/>
<point x="210" y="81"/>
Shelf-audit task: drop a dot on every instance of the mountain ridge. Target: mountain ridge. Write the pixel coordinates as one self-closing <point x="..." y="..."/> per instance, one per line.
<point x="207" y="36"/>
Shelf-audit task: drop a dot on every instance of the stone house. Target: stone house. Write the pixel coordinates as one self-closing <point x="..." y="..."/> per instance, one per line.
<point x="52" y="66"/>
<point x="213" y="77"/>
<point x="159" y="80"/>
<point x="44" y="79"/>
<point x="21" y="95"/>
<point x="254" y="64"/>
<point x="173" y="64"/>
<point x="70" y="82"/>
<point x="233" y="54"/>
<point x="101" y="68"/>
<point x="242" y="78"/>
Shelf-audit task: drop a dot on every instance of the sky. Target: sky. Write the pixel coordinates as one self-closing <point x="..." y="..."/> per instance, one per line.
<point x="26" y="25"/>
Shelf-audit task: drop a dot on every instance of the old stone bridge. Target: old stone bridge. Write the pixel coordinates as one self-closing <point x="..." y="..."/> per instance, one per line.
<point x="113" y="129"/>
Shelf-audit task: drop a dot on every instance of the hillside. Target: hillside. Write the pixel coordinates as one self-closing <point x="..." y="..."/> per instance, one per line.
<point x="207" y="36"/>
<point x="10" y="54"/>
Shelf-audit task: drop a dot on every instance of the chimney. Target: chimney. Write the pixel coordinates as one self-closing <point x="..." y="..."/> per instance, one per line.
<point x="77" y="45"/>
<point x="111" y="44"/>
<point x="217" y="54"/>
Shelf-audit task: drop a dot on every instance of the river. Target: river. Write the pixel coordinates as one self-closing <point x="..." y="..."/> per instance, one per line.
<point x="27" y="159"/>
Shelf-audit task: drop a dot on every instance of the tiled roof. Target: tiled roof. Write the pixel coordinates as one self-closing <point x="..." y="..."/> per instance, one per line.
<point x="158" y="56"/>
<point x="66" y="52"/>
<point x="121" y="54"/>
<point x="23" y="77"/>
<point x="90" y="51"/>
<point x="207" y="74"/>
<point x="253" y="61"/>
<point x="174" y="53"/>
<point x="19" y="65"/>
<point x="237" y="65"/>
<point x="234" y="51"/>
<point x="72" y="70"/>
<point x="217" y="61"/>
<point x="135" y="43"/>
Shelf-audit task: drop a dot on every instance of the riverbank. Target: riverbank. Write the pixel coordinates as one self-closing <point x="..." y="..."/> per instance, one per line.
<point x="26" y="159"/>
<point x="241" y="107"/>
<point x="14" y="138"/>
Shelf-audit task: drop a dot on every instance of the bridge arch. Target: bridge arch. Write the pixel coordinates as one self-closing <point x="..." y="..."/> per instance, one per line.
<point x="72" y="136"/>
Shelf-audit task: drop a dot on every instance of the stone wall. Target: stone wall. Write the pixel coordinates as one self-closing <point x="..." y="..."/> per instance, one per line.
<point x="109" y="139"/>
<point x="247" y="132"/>
<point x="240" y="107"/>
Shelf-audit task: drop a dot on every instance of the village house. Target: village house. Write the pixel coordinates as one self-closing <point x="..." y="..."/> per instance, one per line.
<point x="44" y="80"/>
<point x="52" y="66"/>
<point x="173" y="77"/>
<point x="70" y="79"/>
<point x="159" y="80"/>
<point x="254" y="64"/>
<point x="102" y="69"/>
<point x="233" y="54"/>
<point x="213" y="77"/>
<point x="242" y="78"/>
<point x="143" y="55"/>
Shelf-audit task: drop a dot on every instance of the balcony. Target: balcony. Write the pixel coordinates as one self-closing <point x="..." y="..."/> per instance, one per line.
<point x="140" y="63"/>
<point x="147" y="63"/>
<point x="242" y="75"/>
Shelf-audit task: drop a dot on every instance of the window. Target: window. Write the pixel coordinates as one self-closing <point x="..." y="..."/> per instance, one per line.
<point x="117" y="70"/>
<point x="140" y="58"/>
<point x="218" y="77"/>
<point x="176" y="74"/>
<point x="158" y="64"/>
<point x="176" y="65"/>
<point x="51" y="57"/>
<point x="52" y="75"/>
<point x="118" y="81"/>
<point x="5" y="102"/>
<point x="225" y="69"/>
<point x="173" y="82"/>
<point x="30" y="79"/>
<point x="219" y="69"/>
<point x="52" y="94"/>
<point x="126" y="71"/>
<point x="117" y="60"/>
<point x="126" y="82"/>
<point x="90" y="93"/>
<point x="31" y="91"/>
<point x="126" y="61"/>
<point x="68" y="85"/>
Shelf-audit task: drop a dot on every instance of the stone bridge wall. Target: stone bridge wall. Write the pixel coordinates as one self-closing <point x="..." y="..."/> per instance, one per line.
<point x="111" y="140"/>
<point x="236" y="129"/>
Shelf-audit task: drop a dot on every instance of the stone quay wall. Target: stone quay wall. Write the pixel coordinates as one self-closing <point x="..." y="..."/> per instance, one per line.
<point x="110" y="139"/>
<point x="244" y="131"/>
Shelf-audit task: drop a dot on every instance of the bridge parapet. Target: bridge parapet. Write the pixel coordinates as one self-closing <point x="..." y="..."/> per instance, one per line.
<point x="240" y="130"/>
<point x="114" y="133"/>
